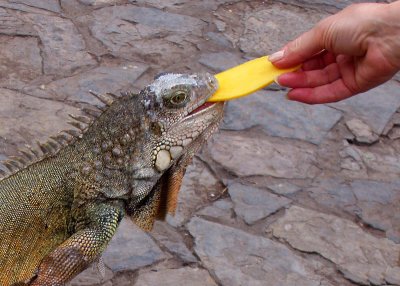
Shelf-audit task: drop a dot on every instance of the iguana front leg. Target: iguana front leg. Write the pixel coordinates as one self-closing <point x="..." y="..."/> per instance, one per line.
<point x="81" y="249"/>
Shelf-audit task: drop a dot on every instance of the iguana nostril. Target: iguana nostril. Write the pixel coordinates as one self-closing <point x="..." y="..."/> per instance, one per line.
<point x="212" y="82"/>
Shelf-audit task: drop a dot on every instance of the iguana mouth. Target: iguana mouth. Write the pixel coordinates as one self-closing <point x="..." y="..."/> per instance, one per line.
<point x="201" y="107"/>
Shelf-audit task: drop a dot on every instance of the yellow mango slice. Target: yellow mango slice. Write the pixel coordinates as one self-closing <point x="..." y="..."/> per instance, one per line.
<point x="246" y="78"/>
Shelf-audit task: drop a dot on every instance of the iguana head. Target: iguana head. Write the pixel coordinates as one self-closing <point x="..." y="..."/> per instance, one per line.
<point x="176" y="106"/>
<point x="178" y="120"/>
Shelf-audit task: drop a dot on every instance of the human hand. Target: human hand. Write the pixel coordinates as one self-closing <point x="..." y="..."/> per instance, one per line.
<point x="345" y="54"/>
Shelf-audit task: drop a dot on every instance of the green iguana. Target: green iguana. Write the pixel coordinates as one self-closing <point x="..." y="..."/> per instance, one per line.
<point x="59" y="211"/>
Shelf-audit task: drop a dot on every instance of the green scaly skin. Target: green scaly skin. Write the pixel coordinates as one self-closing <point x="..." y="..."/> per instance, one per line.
<point x="58" y="214"/>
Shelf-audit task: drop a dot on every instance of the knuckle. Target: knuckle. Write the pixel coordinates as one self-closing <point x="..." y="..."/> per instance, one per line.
<point x="296" y="44"/>
<point x="327" y="34"/>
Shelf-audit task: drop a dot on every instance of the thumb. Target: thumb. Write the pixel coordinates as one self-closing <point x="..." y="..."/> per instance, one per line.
<point x="299" y="50"/>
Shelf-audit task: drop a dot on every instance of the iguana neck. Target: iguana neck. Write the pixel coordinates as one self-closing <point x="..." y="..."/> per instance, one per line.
<point x="115" y="149"/>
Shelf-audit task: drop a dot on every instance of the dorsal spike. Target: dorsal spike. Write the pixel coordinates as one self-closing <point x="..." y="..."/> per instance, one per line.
<point x="100" y="108"/>
<point x="45" y="148"/>
<point x="62" y="138"/>
<point x="53" y="145"/>
<point x="113" y="95"/>
<point x="33" y="151"/>
<point x="104" y="98"/>
<point x="79" y="125"/>
<point x="73" y="133"/>
<point x="14" y="161"/>
<point x="10" y="166"/>
<point x="19" y="160"/>
<point x="3" y="173"/>
<point x="91" y="112"/>
<point x="81" y="118"/>
<point x="27" y="155"/>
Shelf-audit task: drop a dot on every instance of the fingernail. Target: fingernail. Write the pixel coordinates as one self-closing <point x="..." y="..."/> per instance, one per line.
<point x="276" y="56"/>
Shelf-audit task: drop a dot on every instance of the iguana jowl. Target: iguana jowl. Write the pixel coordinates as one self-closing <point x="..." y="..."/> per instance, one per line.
<point x="58" y="212"/>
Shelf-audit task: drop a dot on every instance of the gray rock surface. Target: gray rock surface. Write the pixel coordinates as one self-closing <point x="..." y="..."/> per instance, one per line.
<point x="397" y="76"/>
<point x="262" y="156"/>
<point x="219" y="248"/>
<point x="220" y="61"/>
<point x="63" y="47"/>
<point x="170" y="238"/>
<point x="97" y="3"/>
<point x="198" y="187"/>
<point x="12" y="25"/>
<point x="376" y="203"/>
<point x="91" y="276"/>
<point x="176" y="277"/>
<point x="284" y="188"/>
<point x="219" y="39"/>
<point x="280" y="117"/>
<point x="361" y="257"/>
<point x="131" y="249"/>
<point x="326" y="5"/>
<point x="374" y="107"/>
<point x="394" y="133"/>
<point x="45" y="117"/>
<point x="120" y="28"/>
<point x="160" y="4"/>
<point x="45" y="7"/>
<point x="50" y="5"/>
<point x="268" y="29"/>
<point x="20" y="60"/>
<point x="385" y="161"/>
<point x="332" y="193"/>
<point x="221" y="210"/>
<point x="102" y="79"/>
<point x="256" y="206"/>
<point x="362" y="132"/>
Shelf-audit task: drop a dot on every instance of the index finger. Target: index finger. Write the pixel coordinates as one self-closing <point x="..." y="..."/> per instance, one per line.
<point x="298" y="51"/>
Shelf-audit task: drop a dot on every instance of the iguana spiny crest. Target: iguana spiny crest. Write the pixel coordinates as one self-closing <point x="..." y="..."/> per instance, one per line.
<point x="60" y="206"/>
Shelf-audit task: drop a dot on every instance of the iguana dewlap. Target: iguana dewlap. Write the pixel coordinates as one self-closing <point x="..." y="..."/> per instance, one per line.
<point x="59" y="207"/>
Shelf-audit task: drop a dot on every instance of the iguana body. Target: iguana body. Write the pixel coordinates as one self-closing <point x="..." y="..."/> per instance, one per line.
<point x="58" y="214"/>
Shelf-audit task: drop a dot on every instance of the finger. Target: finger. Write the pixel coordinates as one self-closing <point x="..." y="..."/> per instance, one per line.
<point x="298" y="51"/>
<point x="314" y="78"/>
<point x="319" y="61"/>
<point x="333" y="92"/>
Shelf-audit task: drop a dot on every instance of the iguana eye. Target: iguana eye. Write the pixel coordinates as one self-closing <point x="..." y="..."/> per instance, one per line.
<point x="178" y="97"/>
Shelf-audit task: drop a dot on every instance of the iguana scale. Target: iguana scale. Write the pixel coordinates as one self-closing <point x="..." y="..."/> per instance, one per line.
<point x="59" y="208"/>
